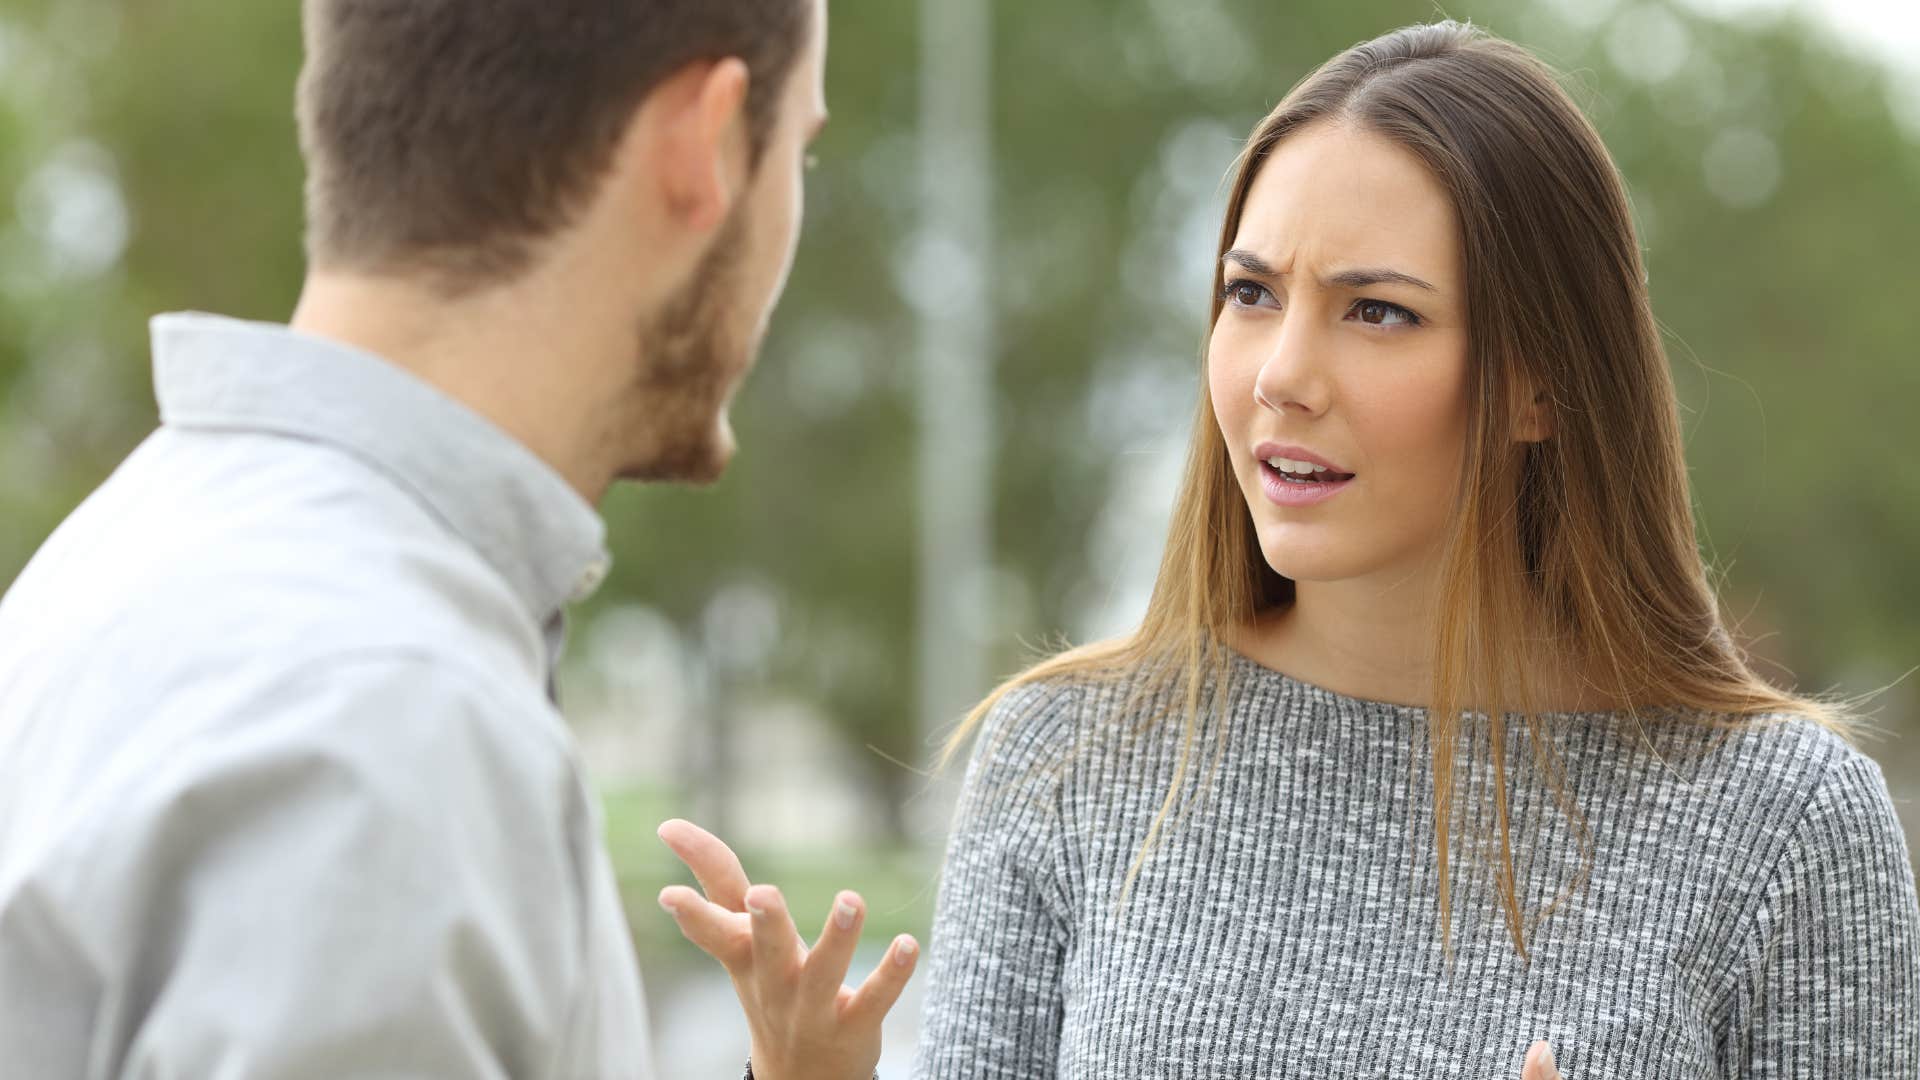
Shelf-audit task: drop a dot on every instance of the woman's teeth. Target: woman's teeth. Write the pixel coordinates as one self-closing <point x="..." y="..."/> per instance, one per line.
<point x="1305" y="471"/>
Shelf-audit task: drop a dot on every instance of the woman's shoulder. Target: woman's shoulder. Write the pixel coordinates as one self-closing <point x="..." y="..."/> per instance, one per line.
<point x="1782" y="771"/>
<point x="1790" y="752"/>
<point x="1827" y="767"/>
<point x="1061" y="713"/>
<point x="1830" y="865"/>
<point x="1028" y="720"/>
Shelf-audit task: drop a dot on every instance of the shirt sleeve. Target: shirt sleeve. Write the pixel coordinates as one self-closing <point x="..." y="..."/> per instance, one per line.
<point x="1830" y="981"/>
<point x="372" y="875"/>
<point x="1002" y="921"/>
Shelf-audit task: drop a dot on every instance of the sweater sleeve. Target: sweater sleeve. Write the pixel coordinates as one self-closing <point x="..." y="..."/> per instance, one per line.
<point x="1001" y="925"/>
<point x="1830" y="968"/>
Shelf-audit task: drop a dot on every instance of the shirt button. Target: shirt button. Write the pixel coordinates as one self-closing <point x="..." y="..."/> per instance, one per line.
<point x="590" y="579"/>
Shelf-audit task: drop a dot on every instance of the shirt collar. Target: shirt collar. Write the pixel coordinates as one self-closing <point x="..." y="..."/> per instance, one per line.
<point x="513" y="508"/>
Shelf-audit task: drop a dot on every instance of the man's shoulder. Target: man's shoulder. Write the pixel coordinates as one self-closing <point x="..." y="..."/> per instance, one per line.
<point x="264" y="554"/>
<point x="395" y="714"/>
<point x="408" y="737"/>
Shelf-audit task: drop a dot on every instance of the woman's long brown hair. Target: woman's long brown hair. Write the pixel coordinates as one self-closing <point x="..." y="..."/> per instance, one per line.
<point x="1593" y="568"/>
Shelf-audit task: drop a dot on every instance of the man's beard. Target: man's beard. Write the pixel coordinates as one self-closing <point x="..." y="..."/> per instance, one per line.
<point x="693" y="351"/>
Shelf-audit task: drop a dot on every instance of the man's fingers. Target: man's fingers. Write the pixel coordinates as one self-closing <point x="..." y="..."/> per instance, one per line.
<point x="721" y="934"/>
<point x="876" y="996"/>
<point x="713" y="863"/>
<point x="777" y="950"/>
<point x="1540" y="1064"/>
<point x="826" y="966"/>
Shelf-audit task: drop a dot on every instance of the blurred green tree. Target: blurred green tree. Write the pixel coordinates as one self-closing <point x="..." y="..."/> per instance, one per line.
<point x="1779" y="196"/>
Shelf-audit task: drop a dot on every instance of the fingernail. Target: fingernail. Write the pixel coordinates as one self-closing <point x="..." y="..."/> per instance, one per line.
<point x="670" y="909"/>
<point x="756" y="909"/>
<point x="1550" y="1062"/>
<point x="903" y="950"/>
<point x="844" y="914"/>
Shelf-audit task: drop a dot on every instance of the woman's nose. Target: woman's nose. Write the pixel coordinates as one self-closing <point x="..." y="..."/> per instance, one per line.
<point x="1292" y="378"/>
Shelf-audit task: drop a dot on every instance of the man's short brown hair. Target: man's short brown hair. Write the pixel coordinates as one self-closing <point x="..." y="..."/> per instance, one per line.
<point x="449" y="135"/>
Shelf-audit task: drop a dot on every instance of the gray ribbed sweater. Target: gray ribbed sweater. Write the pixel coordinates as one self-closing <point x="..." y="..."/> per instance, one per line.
<point x="1750" y="910"/>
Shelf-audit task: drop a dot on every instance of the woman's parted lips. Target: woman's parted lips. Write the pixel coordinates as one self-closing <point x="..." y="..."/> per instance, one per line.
<point x="1267" y="451"/>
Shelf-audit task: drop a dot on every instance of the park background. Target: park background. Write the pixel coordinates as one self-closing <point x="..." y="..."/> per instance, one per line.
<point x="961" y="442"/>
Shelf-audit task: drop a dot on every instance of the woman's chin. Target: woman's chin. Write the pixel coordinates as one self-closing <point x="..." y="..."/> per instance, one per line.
<point x="1320" y="567"/>
<point x="1299" y="570"/>
<point x="1317" y="561"/>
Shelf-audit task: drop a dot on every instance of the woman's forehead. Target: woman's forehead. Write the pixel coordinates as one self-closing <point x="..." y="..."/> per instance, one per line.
<point x="1336" y="195"/>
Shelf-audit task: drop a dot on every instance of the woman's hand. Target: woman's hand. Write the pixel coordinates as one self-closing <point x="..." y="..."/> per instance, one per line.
<point x="805" y="1022"/>
<point x="1540" y="1064"/>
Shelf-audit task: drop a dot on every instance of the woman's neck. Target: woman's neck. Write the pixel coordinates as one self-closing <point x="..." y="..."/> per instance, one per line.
<point x="1354" y="638"/>
<point x="1376" y="643"/>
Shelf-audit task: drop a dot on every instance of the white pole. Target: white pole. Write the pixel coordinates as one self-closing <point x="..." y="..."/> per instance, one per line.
<point x="952" y="290"/>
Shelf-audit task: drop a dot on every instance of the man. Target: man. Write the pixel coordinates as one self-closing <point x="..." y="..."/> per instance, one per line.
<point x="283" y="789"/>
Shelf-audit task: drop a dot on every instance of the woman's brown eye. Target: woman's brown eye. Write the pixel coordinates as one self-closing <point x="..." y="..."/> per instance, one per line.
<point x="1383" y="314"/>
<point x="1246" y="294"/>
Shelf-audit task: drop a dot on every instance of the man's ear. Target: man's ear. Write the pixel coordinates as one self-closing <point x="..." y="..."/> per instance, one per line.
<point x="690" y="136"/>
<point x="1534" y="420"/>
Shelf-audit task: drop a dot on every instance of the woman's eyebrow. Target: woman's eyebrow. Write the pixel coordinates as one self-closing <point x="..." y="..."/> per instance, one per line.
<point x="1251" y="263"/>
<point x="1356" y="279"/>
<point x="1350" y="279"/>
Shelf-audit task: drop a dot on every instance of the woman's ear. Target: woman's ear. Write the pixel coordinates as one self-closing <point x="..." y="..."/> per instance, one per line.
<point x="1534" y="420"/>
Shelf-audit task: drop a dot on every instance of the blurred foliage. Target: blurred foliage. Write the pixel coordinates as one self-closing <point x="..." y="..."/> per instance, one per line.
<point x="1779" y="197"/>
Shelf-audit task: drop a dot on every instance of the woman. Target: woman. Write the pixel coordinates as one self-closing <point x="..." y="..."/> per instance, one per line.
<point x="1431" y="743"/>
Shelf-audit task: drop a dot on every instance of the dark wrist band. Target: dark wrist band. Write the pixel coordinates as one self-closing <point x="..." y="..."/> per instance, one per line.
<point x="749" y="1073"/>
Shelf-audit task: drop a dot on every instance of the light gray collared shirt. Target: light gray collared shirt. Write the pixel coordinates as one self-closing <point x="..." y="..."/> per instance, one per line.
<point x="282" y="789"/>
